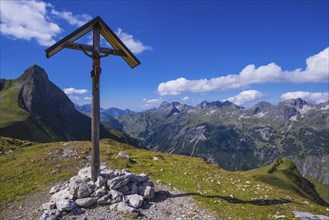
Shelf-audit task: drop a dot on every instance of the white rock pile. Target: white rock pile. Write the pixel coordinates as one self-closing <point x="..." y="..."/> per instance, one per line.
<point x="122" y="190"/>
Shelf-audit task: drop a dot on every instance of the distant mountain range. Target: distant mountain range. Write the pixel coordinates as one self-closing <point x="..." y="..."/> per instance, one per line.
<point x="114" y="112"/>
<point x="107" y="116"/>
<point x="236" y="138"/>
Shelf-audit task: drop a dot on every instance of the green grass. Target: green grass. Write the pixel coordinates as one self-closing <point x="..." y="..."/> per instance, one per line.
<point x="10" y="112"/>
<point x="285" y="175"/>
<point x="322" y="189"/>
<point x="32" y="169"/>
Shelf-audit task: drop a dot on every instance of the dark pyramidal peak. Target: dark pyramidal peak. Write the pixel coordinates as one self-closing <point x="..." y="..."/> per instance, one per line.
<point x="34" y="108"/>
<point x="34" y="72"/>
<point x="38" y="94"/>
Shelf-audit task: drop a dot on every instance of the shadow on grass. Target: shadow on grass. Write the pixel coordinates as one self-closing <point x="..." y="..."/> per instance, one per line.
<point x="258" y="202"/>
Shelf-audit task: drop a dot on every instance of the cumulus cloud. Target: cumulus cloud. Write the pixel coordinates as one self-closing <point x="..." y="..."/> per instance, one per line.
<point x="87" y="98"/>
<point x="34" y="20"/>
<point x="185" y="98"/>
<point x="28" y="20"/>
<point x="70" y="91"/>
<point x="133" y="44"/>
<point x="153" y="101"/>
<point x="74" y="98"/>
<point x="76" y="20"/>
<point x="316" y="97"/>
<point x="245" y="97"/>
<point x="317" y="70"/>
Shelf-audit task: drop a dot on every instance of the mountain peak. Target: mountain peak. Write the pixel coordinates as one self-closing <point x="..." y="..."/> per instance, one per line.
<point x="165" y="105"/>
<point x="32" y="72"/>
<point x="298" y="102"/>
<point x="214" y="104"/>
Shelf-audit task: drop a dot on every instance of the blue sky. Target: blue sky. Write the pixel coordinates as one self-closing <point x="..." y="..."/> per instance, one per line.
<point x="243" y="51"/>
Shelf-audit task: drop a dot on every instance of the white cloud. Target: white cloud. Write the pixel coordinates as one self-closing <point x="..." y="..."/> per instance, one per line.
<point x="34" y="20"/>
<point x="316" y="97"/>
<point x="153" y="101"/>
<point x="245" y="97"/>
<point x="134" y="45"/>
<point x="185" y="98"/>
<point x="28" y="20"/>
<point x="74" y="98"/>
<point x="70" y="91"/>
<point x="76" y="20"/>
<point x="87" y="98"/>
<point x="317" y="70"/>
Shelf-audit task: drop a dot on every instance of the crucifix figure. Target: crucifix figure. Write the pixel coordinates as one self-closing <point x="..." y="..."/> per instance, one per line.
<point x="99" y="28"/>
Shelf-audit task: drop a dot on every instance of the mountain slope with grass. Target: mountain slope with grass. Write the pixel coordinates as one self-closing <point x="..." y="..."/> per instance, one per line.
<point x="34" y="108"/>
<point x="239" y="139"/>
<point x="284" y="174"/>
<point x="36" y="167"/>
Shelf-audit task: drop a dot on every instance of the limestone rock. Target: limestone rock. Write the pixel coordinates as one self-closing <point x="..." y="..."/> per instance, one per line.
<point x="138" y="178"/>
<point x="65" y="205"/>
<point x="85" y="172"/>
<point x="133" y="188"/>
<point x="48" y="206"/>
<point x="100" y="182"/>
<point x="61" y="195"/>
<point x="148" y="193"/>
<point x="78" y="211"/>
<point x="307" y="215"/>
<point x="122" y="155"/>
<point x="86" y="202"/>
<point x="117" y="182"/>
<point x="79" y="188"/>
<point x="50" y="214"/>
<point x="56" y="188"/>
<point x="124" y="207"/>
<point x="135" y="200"/>
<point x="125" y="190"/>
<point x="116" y="196"/>
<point x="99" y="193"/>
<point x="104" y="200"/>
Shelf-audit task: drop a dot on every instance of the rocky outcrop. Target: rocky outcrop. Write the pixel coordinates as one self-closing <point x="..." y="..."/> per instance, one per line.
<point x="122" y="190"/>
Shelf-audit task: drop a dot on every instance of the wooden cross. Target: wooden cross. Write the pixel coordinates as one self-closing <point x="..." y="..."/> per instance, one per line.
<point x="98" y="26"/>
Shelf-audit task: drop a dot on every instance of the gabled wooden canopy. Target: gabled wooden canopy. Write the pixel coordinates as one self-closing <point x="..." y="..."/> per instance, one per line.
<point x="119" y="48"/>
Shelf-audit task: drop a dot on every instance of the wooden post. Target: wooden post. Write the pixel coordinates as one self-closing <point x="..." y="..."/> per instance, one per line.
<point x="99" y="28"/>
<point x="95" y="117"/>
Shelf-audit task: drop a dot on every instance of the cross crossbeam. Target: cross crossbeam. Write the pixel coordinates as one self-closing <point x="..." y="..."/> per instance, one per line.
<point x="98" y="26"/>
<point x="106" y="51"/>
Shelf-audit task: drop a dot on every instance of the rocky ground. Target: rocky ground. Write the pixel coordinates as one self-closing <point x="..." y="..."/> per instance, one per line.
<point x="167" y="204"/>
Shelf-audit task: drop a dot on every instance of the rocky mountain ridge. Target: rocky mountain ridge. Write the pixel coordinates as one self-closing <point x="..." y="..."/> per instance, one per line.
<point x="113" y="112"/>
<point x="236" y="138"/>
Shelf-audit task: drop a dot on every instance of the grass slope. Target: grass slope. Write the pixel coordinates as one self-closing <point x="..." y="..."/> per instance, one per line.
<point x="226" y="194"/>
<point x="10" y="112"/>
<point x="284" y="174"/>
